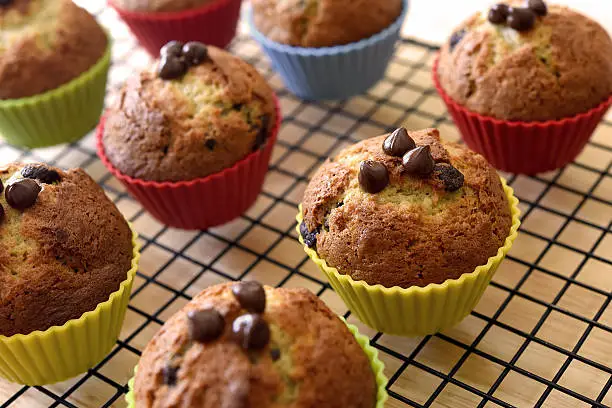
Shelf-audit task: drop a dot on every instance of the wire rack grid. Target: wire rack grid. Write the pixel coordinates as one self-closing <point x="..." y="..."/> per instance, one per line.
<point x="540" y="337"/>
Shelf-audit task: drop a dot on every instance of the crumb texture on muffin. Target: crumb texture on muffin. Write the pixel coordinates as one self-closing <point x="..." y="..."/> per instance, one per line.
<point x="191" y="127"/>
<point x="413" y="232"/>
<point x="161" y="5"/>
<point x="62" y="256"/>
<point x="561" y="67"/>
<point x="323" y="23"/>
<point x="45" y="44"/>
<point x="312" y="360"/>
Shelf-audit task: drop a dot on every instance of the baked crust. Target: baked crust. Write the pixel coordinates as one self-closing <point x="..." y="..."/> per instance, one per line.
<point x="161" y="5"/>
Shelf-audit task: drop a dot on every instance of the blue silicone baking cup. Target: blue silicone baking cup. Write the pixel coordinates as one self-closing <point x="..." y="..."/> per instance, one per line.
<point x="329" y="73"/>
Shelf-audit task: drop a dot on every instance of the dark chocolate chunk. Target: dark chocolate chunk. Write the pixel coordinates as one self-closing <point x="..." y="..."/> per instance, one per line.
<point x="205" y="325"/>
<point x="169" y="374"/>
<point x="498" y="13"/>
<point x="262" y="134"/>
<point x="6" y="2"/>
<point x="40" y="172"/>
<point x="195" y="53"/>
<point x="310" y="238"/>
<point x="1" y="212"/>
<point x="456" y="38"/>
<point x="172" y="49"/>
<point x="452" y="178"/>
<point x="521" y="19"/>
<point x="538" y="7"/>
<point x="1" y="186"/>
<point x="275" y="354"/>
<point x="251" y="332"/>
<point x="373" y="176"/>
<point x="22" y="193"/>
<point x="398" y="143"/>
<point x="251" y="296"/>
<point x="419" y="161"/>
<point x="171" y="67"/>
<point x="211" y="144"/>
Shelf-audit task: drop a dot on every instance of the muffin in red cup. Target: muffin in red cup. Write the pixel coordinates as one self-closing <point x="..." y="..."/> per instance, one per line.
<point x="526" y="83"/>
<point x="156" y="22"/>
<point x="191" y="137"/>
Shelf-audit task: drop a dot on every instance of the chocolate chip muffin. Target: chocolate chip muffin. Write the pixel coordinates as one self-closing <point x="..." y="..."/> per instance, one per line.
<point x="45" y="44"/>
<point x="531" y="63"/>
<point x="323" y="23"/>
<point x="242" y="345"/>
<point x="64" y="247"/>
<point x="197" y="112"/>
<point x="405" y="209"/>
<point x="160" y="5"/>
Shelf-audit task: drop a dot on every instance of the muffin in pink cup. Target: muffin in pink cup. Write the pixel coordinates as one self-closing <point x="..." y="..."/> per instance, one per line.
<point x="526" y="83"/>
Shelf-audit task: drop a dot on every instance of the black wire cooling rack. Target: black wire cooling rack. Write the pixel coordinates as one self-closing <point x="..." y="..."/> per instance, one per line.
<point x="541" y="336"/>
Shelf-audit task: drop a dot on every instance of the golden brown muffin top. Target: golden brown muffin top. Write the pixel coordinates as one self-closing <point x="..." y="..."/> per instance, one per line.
<point x="61" y="256"/>
<point x="192" y="126"/>
<point x="45" y="44"/>
<point x="559" y="68"/>
<point x="323" y="23"/>
<point x="311" y="359"/>
<point x="160" y="5"/>
<point x="413" y="232"/>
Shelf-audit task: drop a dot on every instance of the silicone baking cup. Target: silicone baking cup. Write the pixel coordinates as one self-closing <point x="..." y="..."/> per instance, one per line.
<point x="524" y="147"/>
<point x="377" y="367"/>
<point x="332" y="72"/>
<point x="62" y="352"/>
<point x="62" y="115"/>
<point x="212" y="24"/>
<point x="205" y="202"/>
<point x="417" y="311"/>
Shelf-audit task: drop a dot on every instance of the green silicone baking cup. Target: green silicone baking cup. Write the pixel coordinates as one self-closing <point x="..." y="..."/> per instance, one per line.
<point x="377" y="367"/>
<point x="62" y="115"/>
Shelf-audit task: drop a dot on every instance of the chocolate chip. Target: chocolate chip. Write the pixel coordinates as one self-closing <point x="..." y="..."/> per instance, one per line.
<point x="456" y="38"/>
<point x="419" y="161"/>
<point x="398" y="143"/>
<point x="1" y="212"/>
<point x="521" y="19"/>
<point x="6" y="2"/>
<point x="40" y="172"/>
<point x="211" y="144"/>
<point x="310" y="238"/>
<point x="172" y="49"/>
<point x="169" y="374"/>
<point x="275" y="354"/>
<point x="171" y="67"/>
<point x="373" y="176"/>
<point x="498" y="13"/>
<point x="22" y="193"/>
<point x="205" y="325"/>
<point x="452" y="178"/>
<point x="538" y="7"/>
<point x="1" y="186"/>
<point x="251" y="296"/>
<point x="262" y="134"/>
<point x="251" y="332"/>
<point x="195" y="53"/>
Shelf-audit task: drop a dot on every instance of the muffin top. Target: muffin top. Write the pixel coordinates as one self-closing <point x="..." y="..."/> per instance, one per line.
<point x="198" y="121"/>
<point x="323" y="23"/>
<point x="160" y="5"/>
<point x="551" y="65"/>
<point x="64" y="247"/>
<point x="243" y="345"/>
<point x="407" y="219"/>
<point x="45" y="44"/>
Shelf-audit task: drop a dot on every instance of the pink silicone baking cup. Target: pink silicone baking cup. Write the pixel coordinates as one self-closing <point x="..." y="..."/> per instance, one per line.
<point x="212" y="24"/>
<point x="524" y="147"/>
<point x="205" y="202"/>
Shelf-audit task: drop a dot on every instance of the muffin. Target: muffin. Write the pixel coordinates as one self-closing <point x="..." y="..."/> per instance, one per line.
<point x="328" y="49"/>
<point x="241" y="344"/>
<point x="57" y="265"/>
<point x="527" y="64"/>
<point x="52" y="49"/>
<point x="156" y="22"/>
<point x="406" y="210"/>
<point x="195" y="116"/>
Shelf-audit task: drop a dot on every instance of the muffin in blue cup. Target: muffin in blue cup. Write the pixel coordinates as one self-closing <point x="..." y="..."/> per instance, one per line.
<point x="328" y="49"/>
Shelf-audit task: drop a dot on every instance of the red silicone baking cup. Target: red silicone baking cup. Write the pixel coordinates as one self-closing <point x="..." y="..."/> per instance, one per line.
<point x="212" y="24"/>
<point x="524" y="147"/>
<point x="205" y="202"/>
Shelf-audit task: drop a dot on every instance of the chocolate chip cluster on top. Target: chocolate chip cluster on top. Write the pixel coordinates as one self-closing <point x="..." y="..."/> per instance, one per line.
<point x="245" y="345"/>
<point x="405" y="209"/>
<point x="519" y="18"/>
